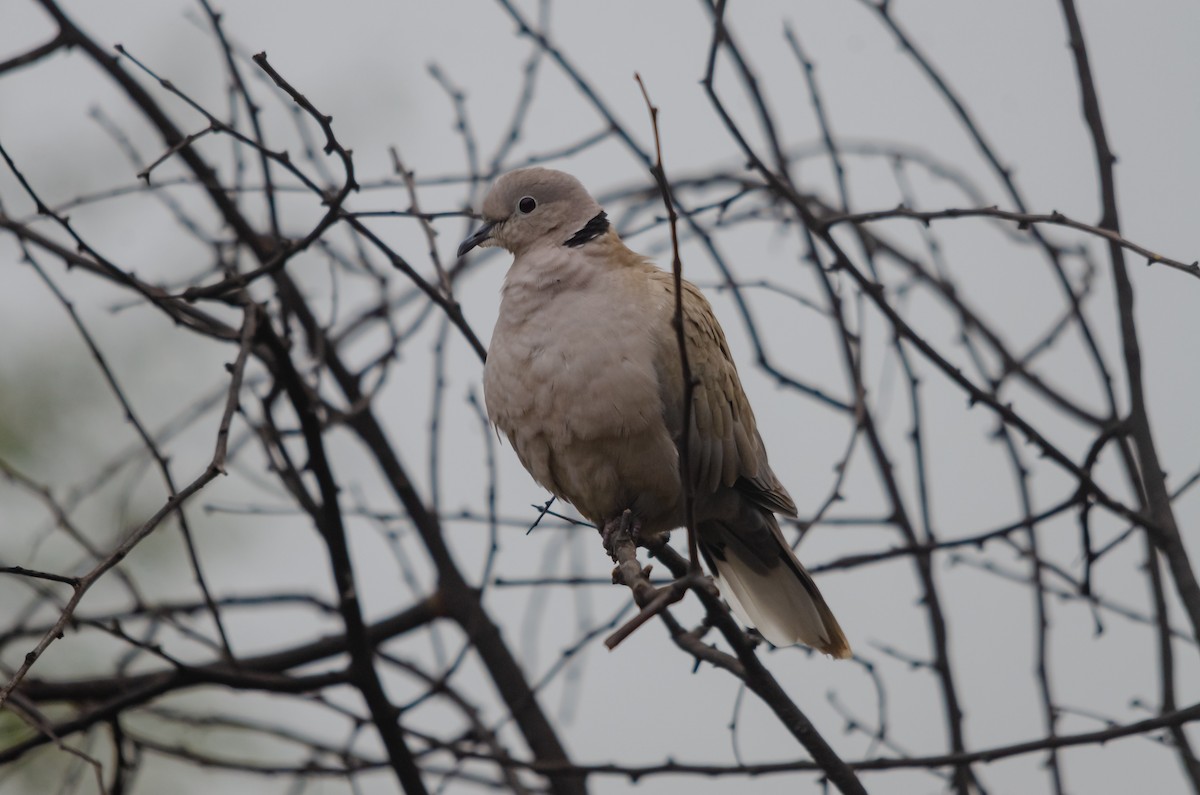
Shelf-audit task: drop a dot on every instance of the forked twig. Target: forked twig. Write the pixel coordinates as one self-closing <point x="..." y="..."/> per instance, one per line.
<point x="689" y="386"/>
<point x="619" y="543"/>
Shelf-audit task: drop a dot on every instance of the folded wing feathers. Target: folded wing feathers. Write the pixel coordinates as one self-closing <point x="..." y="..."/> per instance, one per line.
<point x="780" y="599"/>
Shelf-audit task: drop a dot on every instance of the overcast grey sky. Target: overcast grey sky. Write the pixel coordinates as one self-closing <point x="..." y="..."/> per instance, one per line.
<point x="366" y="64"/>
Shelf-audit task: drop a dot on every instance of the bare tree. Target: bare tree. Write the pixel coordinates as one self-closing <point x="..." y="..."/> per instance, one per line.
<point x="399" y="652"/>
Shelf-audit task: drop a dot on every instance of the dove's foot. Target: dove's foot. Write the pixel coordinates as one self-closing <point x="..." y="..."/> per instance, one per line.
<point x="625" y="526"/>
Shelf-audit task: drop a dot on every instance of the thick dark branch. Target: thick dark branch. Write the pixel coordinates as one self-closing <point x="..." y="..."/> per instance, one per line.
<point x="764" y="684"/>
<point x="1149" y="470"/>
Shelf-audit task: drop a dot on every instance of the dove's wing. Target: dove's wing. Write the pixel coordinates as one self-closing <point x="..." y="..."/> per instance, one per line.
<point x="724" y="447"/>
<point x="737" y="492"/>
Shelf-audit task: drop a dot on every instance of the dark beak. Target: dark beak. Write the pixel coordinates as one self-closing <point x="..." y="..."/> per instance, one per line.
<point x="481" y="234"/>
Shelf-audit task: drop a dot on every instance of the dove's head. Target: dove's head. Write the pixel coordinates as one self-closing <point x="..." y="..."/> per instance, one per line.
<point x="533" y="207"/>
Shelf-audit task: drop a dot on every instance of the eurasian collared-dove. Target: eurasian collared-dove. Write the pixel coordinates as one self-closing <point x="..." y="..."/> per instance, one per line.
<point x="583" y="376"/>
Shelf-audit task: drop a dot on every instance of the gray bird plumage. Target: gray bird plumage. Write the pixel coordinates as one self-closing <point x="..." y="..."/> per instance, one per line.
<point x="584" y="378"/>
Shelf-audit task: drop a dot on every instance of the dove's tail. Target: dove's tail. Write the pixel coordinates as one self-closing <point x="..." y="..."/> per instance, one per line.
<point x="767" y="588"/>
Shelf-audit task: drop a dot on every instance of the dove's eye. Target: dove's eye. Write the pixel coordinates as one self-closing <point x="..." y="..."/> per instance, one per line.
<point x="527" y="205"/>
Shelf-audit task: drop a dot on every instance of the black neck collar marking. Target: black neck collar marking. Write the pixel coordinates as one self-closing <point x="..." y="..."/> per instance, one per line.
<point x="591" y="230"/>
